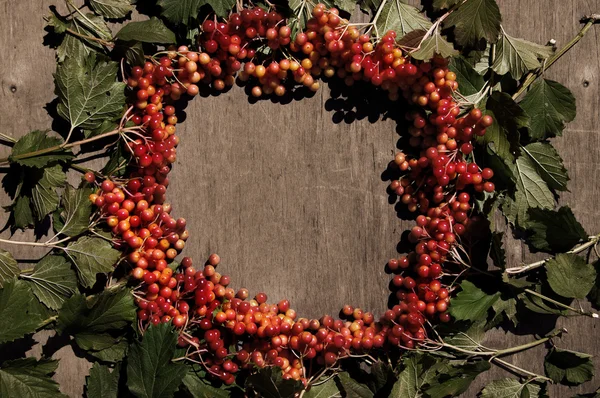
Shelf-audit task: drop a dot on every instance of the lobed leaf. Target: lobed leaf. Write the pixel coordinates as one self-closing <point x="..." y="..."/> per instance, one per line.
<point x="76" y="212"/>
<point x="150" y="372"/>
<point x="150" y="31"/>
<point x="510" y="388"/>
<point x="221" y="7"/>
<point x="92" y="256"/>
<point x="102" y="383"/>
<point x="110" y="310"/>
<point x="36" y="141"/>
<point x="112" y="9"/>
<point x="180" y="11"/>
<point x="550" y="106"/>
<point x="29" y="378"/>
<point x="548" y="164"/>
<point x="435" y="44"/>
<point x="554" y="231"/>
<point x="52" y="281"/>
<point x="518" y="56"/>
<point x="401" y="18"/>
<point x="9" y="268"/>
<point x="568" y="367"/>
<point x="471" y="303"/>
<point x="475" y="20"/>
<point x="19" y="311"/>
<point x="570" y="275"/>
<point x="88" y="91"/>
<point x="43" y="193"/>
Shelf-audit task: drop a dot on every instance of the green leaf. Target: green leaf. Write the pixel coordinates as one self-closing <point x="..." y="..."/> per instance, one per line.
<point x="94" y="24"/>
<point x="471" y="303"/>
<point x="469" y="339"/>
<point x="531" y="191"/>
<point x="91" y="256"/>
<point x="518" y="56"/>
<point x="497" y="252"/>
<point x="329" y="389"/>
<point x="150" y="31"/>
<point x="103" y="346"/>
<point x="58" y="24"/>
<point x="88" y="91"/>
<point x="435" y="44"/>
<point x="509" y="388"/>
<point x="29" y="378"/>
<point x="102" y="383"/>
<point x="504" y="309"/>
<point x="469" y="81"/>
<point x="508" y="113"/>
<point x="570" y="276"/>
<point x="568" y="367"/>
<point x="269" y="383"/>
<point x="444" y="4"/>
<point x="548" y="164"/>
<point x="52" y="281"/>
<point x="117" y="162"/>
<point x="112" y="9"/>
<point x="180" y="11"/>
<point x="409" y="380"/>
<point x="110" y="310"/>
<point x="35" y="141"/>
<point x="345" y="5"/>
<point x="22" y="212"/>
<point x="9" y="268"/>
<point x="540" y="306"/>
<point x="550" y="105"/>
<point x="353" y="388"/>
<point x="19" y="311"/>
<point x="77" y="210"/>
<point x="221" y="7"/>
<point x="401" y="18"/>
<point x="480" y="60"/>
<point x="554" y="231"/>
<point x="475" y="20"/>
<point x="201" y="388"/>
<point x="457" y="379"/>
<point x="501" y="141"/>
<point x="75" y="48"/>
<point x="43" y="194"/>
<point x="150" y="372"/>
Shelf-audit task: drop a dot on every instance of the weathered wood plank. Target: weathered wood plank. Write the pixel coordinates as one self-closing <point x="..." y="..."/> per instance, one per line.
<point x="294" y="202"/>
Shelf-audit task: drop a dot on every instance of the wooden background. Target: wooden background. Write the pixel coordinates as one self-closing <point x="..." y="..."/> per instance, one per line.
<point x="291" y="195"/>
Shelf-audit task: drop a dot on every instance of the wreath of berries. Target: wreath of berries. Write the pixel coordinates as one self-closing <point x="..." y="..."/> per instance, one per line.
<point x="160" y="325"/>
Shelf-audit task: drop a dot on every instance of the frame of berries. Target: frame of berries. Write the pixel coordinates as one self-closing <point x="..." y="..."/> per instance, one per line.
<point x="157" y="325"/>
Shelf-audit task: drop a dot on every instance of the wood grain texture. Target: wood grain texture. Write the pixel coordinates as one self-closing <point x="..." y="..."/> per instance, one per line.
<point x="291" y="195"/>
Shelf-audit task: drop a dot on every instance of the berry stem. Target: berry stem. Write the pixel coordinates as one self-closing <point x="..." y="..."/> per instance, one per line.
<point x="532" y="77"/>
<point x="592" y="241"/>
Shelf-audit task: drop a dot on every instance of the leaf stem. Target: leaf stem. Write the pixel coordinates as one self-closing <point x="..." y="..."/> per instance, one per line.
<point x="48" y="321"/>
<point x="558" y="303"/>
<point x="91" y="38"/>
<point x="592" y="241"/>
<point x="532" y="77"/>
<point x="62" y="146"/>
<point x="517" y="369"/>
<point x="7" y="138"/>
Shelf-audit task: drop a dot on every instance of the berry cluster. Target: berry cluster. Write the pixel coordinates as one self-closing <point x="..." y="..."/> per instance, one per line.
<point x="224" y="329"/>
